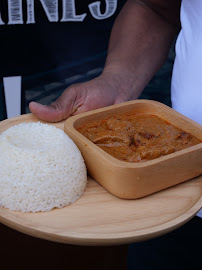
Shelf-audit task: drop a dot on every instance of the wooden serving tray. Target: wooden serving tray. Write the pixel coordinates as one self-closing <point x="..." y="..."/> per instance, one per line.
<point x="100" y="218"/>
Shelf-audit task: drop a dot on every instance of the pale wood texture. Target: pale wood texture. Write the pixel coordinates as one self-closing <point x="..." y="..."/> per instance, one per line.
<point x="100" y="218"/>
<point x="135" y="180"/>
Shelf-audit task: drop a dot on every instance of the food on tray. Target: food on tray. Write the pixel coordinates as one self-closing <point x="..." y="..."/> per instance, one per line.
<point x="137" y="137"/>
<point x="41" y="168"/>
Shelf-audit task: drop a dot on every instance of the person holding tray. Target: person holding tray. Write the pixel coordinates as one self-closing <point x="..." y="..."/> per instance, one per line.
<point x="139" y="44"/>
<point x="140" y="40"/>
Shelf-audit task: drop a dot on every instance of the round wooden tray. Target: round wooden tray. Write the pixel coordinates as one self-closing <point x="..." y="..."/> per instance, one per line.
<point x="99" y="218"/>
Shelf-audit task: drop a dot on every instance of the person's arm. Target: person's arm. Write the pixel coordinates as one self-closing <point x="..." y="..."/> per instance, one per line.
<point x="139" y="44"/>
<point x="140" y="41"/>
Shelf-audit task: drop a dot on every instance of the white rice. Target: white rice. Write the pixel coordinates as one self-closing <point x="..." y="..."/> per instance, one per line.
<point x="40" y="168"/>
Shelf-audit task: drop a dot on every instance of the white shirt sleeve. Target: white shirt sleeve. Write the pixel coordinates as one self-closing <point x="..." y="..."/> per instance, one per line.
<point x="186" y="85"/>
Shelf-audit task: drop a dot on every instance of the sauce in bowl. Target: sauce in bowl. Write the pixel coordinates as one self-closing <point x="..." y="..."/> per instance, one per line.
<point x="137" y="137"/>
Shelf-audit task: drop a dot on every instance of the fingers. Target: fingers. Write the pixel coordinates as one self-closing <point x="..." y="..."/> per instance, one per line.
<point x="45" y="113"/>
<point x="77" y="99"/>
<point x="59" y="110"/>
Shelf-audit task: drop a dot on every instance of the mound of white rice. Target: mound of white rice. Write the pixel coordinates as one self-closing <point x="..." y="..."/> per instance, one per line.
<point x="40" y="168"/>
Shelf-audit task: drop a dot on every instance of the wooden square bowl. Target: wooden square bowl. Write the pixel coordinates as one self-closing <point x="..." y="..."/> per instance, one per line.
<point x="135" y="180"/>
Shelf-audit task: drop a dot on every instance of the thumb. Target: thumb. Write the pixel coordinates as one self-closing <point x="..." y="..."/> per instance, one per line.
<point x="56" y="111"/>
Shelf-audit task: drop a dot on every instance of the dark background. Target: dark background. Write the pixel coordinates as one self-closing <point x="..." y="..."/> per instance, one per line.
<point x="46" y="92"/>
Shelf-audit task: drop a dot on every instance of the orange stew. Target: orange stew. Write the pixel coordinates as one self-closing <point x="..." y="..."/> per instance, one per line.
<point x="137" y="137"/>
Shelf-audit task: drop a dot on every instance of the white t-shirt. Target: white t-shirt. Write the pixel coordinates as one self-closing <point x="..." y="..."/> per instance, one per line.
<point x="186" y="86"/>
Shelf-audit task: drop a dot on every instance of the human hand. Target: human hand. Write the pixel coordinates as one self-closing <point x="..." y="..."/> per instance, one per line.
<point x="100" y="92"/>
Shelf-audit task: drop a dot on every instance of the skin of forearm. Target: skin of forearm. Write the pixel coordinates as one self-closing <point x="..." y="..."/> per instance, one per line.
<point x="139" y="44"/>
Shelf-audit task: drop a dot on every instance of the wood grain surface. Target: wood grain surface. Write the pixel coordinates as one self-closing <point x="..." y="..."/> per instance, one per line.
<point x="100" y="218"/>
<point x="133" y="180"/>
